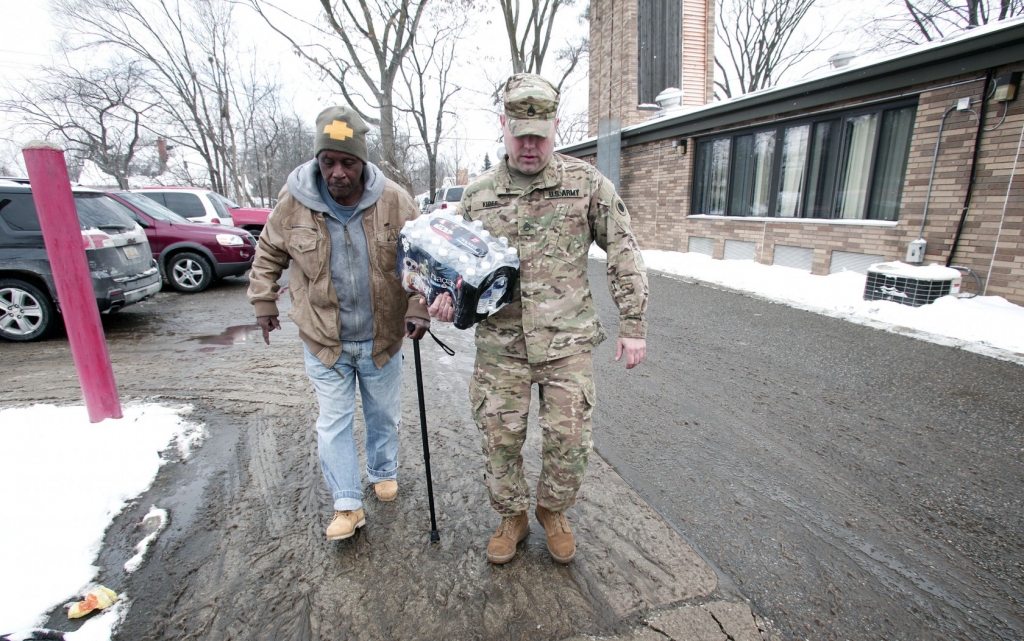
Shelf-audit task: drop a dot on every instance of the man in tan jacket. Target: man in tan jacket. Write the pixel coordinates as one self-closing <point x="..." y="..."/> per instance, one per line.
<point x="337" y="223"/>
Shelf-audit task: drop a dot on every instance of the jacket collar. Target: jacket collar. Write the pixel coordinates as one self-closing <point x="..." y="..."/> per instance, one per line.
<point x="550" y="177"/>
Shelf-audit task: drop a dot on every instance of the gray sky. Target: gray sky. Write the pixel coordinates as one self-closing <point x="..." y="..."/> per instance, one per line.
<point x="29" y="39"/>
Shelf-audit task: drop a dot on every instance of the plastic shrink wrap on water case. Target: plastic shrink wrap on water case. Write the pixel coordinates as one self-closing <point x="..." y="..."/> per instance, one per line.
<point x="441" y="252"/>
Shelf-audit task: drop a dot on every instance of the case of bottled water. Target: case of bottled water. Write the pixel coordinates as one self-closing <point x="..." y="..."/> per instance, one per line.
<point x="442" y="252"/>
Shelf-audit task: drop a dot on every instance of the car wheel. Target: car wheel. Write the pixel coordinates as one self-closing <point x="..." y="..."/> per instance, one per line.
<point x="26" y="313"/>
<point x="189" y="272"/>
<point x="254" y="230"/>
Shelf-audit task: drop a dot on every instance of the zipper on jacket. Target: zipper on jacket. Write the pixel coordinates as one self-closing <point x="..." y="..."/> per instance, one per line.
<point x="348" y="239"/>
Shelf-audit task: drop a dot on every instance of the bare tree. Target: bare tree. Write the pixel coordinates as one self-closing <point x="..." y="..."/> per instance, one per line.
<point x="9" y="158"/>
<point x="262" y="125"/>
<point x="187" y="48"/>
<point x="572" y="127"/>
<point x="295" y="147"/>
<point x="428" y="88"/>
<point x="907" y="22"/>
<point x="98" y="113"/>
<point x="758" y="42"/>
<point x="529" y="31"/>
<point x="375" y="38"/>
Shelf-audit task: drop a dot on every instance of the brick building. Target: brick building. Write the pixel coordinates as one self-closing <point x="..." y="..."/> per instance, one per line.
<point x="831" y="173"/>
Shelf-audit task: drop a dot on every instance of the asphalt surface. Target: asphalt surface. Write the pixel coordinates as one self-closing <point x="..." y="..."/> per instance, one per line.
<point x="835" y="480"/>
<point x="852" y="483"/>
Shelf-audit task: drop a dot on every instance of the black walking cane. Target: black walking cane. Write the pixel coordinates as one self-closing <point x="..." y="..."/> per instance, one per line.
<point x="434" y="535"/>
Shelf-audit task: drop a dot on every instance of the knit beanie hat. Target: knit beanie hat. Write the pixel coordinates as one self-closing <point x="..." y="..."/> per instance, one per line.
<point x="340" y="129"/>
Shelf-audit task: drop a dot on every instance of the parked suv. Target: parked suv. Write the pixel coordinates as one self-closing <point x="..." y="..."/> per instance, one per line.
<point x="446" y="198"/>
<point x="198" y="205"/>
<point x="120" y="261"/>
<point x="190" y="255"/>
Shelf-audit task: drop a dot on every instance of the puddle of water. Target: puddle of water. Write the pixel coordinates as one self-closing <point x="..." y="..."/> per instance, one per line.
<point x="232" y="336"/>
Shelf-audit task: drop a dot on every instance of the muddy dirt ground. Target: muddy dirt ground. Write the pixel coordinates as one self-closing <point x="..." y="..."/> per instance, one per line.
<point x="244" y="556"/>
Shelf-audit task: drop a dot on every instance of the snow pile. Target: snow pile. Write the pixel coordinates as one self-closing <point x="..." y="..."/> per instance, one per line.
<point x="66" y="480"/>
<point x="988" y="325"/>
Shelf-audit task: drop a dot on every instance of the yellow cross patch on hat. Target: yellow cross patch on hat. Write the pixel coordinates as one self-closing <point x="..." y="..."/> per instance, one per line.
<point x="339" y="130"/>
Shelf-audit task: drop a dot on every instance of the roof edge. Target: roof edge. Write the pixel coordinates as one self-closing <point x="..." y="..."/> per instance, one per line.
<point x="964" y="54"/>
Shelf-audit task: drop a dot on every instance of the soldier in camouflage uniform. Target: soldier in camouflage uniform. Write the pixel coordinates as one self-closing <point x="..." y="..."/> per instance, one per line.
<point x="551" y="207"/>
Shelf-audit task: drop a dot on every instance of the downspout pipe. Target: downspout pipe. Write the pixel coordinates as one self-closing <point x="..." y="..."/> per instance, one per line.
<point x="931" y="176"/>
<point x="974" y="165"/>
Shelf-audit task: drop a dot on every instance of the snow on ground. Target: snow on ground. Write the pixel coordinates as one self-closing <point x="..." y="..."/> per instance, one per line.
<point x="988" y="325"/>
<point x="71" y="479"/>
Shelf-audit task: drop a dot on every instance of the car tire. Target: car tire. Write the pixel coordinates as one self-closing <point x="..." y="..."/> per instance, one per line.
<point x="189" y="272"/>
<point x="26" y="312"/>
<point x="255" y="230"/>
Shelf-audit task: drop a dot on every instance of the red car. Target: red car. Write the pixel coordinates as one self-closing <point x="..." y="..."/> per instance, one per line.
<point x="190" y="255"/>
<point x="251" y="219"/>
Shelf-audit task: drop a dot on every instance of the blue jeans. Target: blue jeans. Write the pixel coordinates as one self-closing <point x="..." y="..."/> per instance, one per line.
<point x="380" y="390"/>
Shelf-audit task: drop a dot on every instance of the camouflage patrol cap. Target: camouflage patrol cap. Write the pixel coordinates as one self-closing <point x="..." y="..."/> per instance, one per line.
<point x="531" y="103"/>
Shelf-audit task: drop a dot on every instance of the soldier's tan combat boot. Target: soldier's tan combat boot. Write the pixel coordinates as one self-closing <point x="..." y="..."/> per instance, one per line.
<point x="386" y="490"/>
<point x="502" y="546"/>
<point x="561" y="544"/>
<point x="344" y="524"/>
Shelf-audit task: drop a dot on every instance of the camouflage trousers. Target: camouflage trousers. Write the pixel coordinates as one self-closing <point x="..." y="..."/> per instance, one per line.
<point x="499" y="394"/>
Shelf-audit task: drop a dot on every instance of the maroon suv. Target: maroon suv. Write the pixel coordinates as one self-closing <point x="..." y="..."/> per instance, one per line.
<point x="190" y="255"/>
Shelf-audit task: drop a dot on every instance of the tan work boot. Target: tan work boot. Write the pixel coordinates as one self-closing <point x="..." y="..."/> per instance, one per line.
<point x="386" y="490"/>
<point x="344" y="524"/>
<point x="561" y="545"/>
<point x="502" y="546"/>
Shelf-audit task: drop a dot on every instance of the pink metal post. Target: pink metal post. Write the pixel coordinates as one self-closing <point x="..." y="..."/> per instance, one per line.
<point x="51" y="191"/>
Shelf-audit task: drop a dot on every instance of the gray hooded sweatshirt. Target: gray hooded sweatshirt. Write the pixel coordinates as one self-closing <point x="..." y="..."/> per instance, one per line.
<point x="350" y="258"/>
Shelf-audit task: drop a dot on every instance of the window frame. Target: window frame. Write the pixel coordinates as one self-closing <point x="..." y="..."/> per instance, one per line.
<point x="834" y="154"/>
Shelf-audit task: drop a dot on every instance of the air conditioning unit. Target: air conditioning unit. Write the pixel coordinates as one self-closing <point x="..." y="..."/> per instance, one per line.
<point x="910" y="284"/>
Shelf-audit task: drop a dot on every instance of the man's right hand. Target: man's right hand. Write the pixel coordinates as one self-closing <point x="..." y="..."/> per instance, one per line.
<point x="267" y="324"/>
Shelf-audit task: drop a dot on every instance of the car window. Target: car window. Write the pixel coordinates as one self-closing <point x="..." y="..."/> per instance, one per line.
<point x="454" y="194"/>
<point x="96" y="210"/>
<point x="19" y="212"/>
<point x="218" y="204"/>
<point x="150" y="207"/>
<point x="230" y="204"/>
<point x="157" y="198"/>
<point x="187" y="205"/>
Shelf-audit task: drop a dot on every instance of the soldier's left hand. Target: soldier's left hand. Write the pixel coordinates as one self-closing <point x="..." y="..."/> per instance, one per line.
<point x="443" y="308"/>
<point x="635" y="349"/>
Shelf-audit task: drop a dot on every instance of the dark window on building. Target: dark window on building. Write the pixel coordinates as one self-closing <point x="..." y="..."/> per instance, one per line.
<point x="712" y="167"/>
<point x="847" y="165"/>
<point x="660" y="24"/>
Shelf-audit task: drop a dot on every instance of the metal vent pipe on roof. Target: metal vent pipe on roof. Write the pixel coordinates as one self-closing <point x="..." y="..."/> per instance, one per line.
<point x="841" y="59"/>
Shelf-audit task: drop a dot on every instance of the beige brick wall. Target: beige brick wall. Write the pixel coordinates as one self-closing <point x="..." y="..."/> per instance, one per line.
<point x="656" y="186"/>
<point x="613" y="63"/>
<point x="698" y="52"/>
<point x="613" y="91"/>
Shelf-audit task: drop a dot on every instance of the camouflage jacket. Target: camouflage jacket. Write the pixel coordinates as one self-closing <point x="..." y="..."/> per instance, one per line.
<point x="552" y="224"/>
